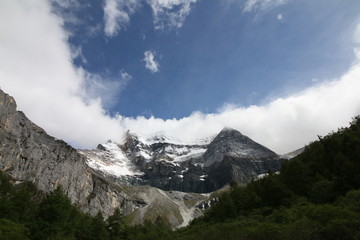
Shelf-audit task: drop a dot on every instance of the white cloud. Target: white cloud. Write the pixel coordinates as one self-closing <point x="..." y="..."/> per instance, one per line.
<point x="254" y="5"/>
<point x="279" y="17"/>
<point x="117" y="15"/>
<point x="283" y="125"/>
<point x="36" y="68"/>
<point x="150" y="62"/>
<point x="170" y="13"/>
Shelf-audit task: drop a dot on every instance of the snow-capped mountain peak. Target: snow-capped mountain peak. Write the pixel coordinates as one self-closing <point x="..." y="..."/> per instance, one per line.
<point x="170" y="164"/>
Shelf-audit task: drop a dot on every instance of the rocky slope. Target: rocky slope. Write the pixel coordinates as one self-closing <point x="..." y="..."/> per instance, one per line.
<point x="27" y="153"/>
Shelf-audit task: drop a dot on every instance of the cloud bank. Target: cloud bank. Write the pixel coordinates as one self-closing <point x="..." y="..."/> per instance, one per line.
<point x="36" y="68"/>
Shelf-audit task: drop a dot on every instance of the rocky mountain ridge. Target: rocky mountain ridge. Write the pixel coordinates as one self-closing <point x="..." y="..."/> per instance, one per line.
<point x="28" y="153"/>
<point x="199" y="168"/>
<point x="146" y="179"/>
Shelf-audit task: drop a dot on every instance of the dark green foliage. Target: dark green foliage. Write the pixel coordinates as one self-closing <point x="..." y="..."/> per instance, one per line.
<point x="56" y="217"/>
<point x="150" y="231"/>
<point x="6" y="191"/>
<point x="272" y="191"/>
<point x="297" y="175"/>
<point x="91" y="228"/>
<point x="116" y="226"/>
<point x="23" y="202"/>
<point x="6" y="187"/>
<point x="12" y="231"/>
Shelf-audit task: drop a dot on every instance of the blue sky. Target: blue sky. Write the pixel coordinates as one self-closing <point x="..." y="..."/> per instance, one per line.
<point x="280" y="71"/>
<point x="221" y="53"/>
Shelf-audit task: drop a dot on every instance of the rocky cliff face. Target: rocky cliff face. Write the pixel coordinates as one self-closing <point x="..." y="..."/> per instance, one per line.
<point x="27" y="153"/>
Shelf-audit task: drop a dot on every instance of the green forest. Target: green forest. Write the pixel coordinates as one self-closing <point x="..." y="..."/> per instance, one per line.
<point x="315" y="196"/>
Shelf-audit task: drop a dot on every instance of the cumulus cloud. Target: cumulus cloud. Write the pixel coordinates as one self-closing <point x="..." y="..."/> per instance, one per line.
<point x="255" y="5"/>
<point x="150" y="63"/>
<point x="170" y="13"/>
<point x="36" y="68"/>
<point x="117" y="15"/>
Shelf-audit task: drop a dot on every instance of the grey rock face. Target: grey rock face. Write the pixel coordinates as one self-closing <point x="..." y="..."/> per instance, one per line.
<point x="235" y="157"/>
<point x="232" y="142"/>
<point x="29" y="154"/>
